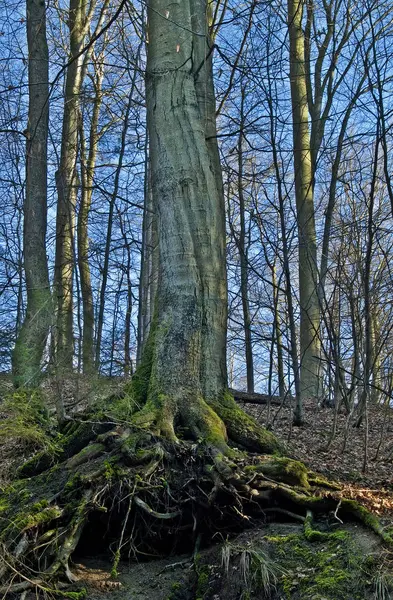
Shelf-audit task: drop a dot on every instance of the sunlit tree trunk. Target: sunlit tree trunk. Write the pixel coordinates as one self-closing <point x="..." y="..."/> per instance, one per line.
<point x="308" y="273"/>
<point x="87" y="180"/>
<point x="182" y="377"/>
<point x="67" y="187"/>
<point x="30" y="344"/>
<point x="285" y="256"/>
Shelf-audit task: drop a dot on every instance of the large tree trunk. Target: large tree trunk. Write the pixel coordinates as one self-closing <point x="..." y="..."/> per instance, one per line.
<point x="32" y="337"/>
<point x="308" y="272"/>
<point x="183" y="370"/>
<point x="189" y="357"/>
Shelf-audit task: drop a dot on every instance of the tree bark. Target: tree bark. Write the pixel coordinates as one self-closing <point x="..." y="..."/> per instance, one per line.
<point x="182" y="377"/>
<point x="308" y="273"/>
<point x="192" y="287"/>
<point x="149" y="266"/>
<point x="188" y="365"/>
<point x="32" y="336"/>
<point x="286" y="259"/>
<point x="67" y="187"/>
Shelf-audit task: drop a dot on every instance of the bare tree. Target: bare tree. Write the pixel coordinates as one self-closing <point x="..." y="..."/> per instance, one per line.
<point x="29" y="348"/>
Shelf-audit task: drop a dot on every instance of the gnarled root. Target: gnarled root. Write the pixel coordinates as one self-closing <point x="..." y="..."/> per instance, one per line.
<point x="134" y="485"/>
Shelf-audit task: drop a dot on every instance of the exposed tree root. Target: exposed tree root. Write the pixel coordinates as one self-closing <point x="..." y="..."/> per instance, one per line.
<point x="126" y="487"/>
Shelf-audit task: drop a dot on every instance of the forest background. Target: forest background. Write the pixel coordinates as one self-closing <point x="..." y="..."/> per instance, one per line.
<point x="348" y="78"/>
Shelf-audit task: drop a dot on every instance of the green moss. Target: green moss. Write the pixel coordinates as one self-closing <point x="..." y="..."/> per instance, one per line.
<point x="75" y="438"/>
<point x="123" y="407"/>
<point x="80" y="595"/>
<point x="73" y="483"/>
<point x="203" y="574"/>
<point x="320" y="481"/>
<point x="112" y="471"/>
<point x="281" y="539"/>
<point x="314" y="535"/>
<point x="329" y="567"/>
<point x="282" y="469"/>
<point x="41" y="461"/>
<point x="116" y="560"/>
<point x="311" y="534"/>
<point x="365" y="516"/>
<point x="73" y="595"/>
<point x="38" y="514"/>
<point x="88" y="453"/>
<point x="178" y="591"/>
<point x="141" y="381"/>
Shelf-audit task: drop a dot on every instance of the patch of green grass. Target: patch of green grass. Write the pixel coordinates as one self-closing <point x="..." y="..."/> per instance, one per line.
<point x="28" y="421"/>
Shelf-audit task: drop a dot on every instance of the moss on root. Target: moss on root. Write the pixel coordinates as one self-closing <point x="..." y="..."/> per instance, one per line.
<point x="242" y="429"/>
<point x="74" y="438"/>
<point x="282" y="469"/>
<point x="214" y="420"/>
<point x="367" y="518"/>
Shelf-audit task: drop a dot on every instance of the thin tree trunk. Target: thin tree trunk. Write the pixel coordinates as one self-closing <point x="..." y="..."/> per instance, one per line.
<point x="105" y="270"/>
<point x="127" y="321"/>
<point x="286" y="266"/>
<point x="333" y="188"/>
<point x="243" y="251"/>
<point x="88" y="169"/>
<point x="149" y="266"/>
<point x="308" y="273"/>
<point x="127" y="325"/>
<point x="67" y="187"/>
<point x="30" y="344"/>
<point x="375" y="357"/>
<point x="278" y="336"/>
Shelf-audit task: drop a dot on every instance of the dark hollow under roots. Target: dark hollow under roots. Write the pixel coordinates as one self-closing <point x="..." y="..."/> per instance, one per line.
<point x="120" y="490"/>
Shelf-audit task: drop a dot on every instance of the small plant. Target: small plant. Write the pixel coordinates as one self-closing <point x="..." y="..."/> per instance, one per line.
<point x="257" y="569"/>
<point x="382" y="586"/>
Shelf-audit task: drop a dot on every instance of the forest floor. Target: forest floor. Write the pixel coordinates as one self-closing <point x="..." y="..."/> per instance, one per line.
<point x="341" y="457"/>
<point x="222" y="574"/>
<point x="174" y="577"/>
